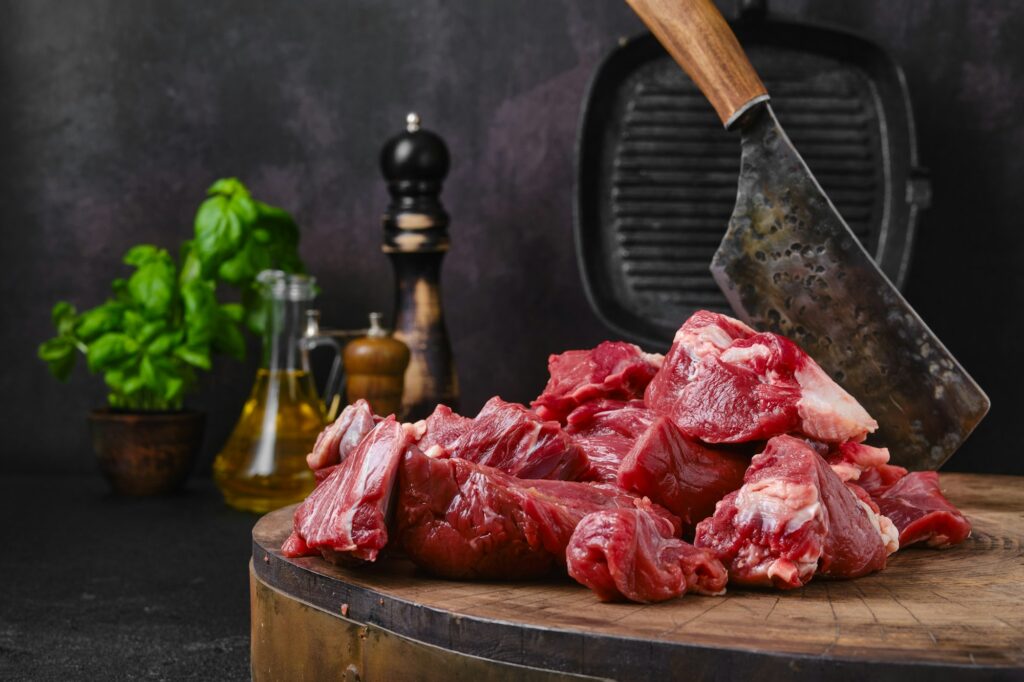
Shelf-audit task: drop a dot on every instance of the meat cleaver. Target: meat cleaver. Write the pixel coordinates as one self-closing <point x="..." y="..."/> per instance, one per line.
<point x="791" y="264"/>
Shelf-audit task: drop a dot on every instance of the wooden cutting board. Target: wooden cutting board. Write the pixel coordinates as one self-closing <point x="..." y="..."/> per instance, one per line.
<point x="932" y="614"/>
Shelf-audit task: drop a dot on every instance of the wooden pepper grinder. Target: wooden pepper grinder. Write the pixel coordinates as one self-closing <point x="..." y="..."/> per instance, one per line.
<point x="415" y="163"/>
<point x="375" y="365"/>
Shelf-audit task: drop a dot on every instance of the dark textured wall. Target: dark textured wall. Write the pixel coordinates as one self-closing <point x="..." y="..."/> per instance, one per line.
<point x="115" y="116"/>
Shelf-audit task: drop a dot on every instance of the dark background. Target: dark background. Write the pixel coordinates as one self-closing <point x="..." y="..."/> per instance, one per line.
<point x="115" y="117"/>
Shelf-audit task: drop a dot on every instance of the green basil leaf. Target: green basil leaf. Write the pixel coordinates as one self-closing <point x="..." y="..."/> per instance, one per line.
<point x="201" y="311"/>
<point x="219" y="233"/>
<point x="262" y="236"/>
<point x="191" y="267"/>
<point x="110" y="349"/>
<point x="55" y="348"/>
<point x="114" y="379"/>
<point x="150" y="330"/>
<point x="237" y="269"/>
<point x="121" y="293"/>
<point x="280" y="235"/>
<point x="233" y="311"/>
<point x="280" y="227"/>
<point x="165" y="343"/>
<point x="133" y="384"/>
<point x="59" y="355"/>
<point x="222" y="223"/>
<point x="99" y="320"/>
<point x="174" y="389"/>
<point x="141" y="254"/>
<point x="228" y="338"/>
<point x="63" y="316"/>
<point x="228" y="187"/>
<point x="132" y="322"/>
<point x="152" y="285"/>
<point x="194" y="356"/>
<point x="148" y="374"/>
<point x="243" y="267"/>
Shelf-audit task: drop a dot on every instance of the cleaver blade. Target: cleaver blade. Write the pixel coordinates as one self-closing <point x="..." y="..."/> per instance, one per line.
<point x="789" y="263"/>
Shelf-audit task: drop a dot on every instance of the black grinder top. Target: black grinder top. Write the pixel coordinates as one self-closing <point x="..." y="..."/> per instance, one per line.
<point x="415" y="163"/>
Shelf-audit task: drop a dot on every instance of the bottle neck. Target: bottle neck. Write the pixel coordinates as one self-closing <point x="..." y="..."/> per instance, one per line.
<point x="286" y="323"/>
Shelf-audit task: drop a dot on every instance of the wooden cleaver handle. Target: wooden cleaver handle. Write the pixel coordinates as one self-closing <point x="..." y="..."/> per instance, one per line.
<point x="696" y="35"/>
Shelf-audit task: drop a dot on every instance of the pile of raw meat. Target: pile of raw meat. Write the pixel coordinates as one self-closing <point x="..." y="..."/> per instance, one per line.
<point x="732" y="460"/>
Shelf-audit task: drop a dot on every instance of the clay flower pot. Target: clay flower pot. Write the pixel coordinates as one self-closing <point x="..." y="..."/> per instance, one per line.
<point x="145" y="453"/>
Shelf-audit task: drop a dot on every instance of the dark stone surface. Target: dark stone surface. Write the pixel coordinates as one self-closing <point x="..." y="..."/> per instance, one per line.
<point x="114" y="117"/>
<point x="97" y="587"/>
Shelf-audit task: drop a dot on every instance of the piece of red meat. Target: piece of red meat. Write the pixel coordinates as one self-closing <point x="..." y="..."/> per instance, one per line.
<point x="442" y="428"/>
<point x="850" y="460"/>
<point x="594" y="412"/>
<point x="679" y="473"/>
<point x="461" y="520"/>
<point x="341" y="437"/>
<point x="633" y="554"/>
<point x="866" y="465"/>
<point x="877" y="480"/>
<point x="722" y="382"/>
<point x="921" y="512"/>
<point x="344" y="518"/>
<point x="511" y="438"/>
<point x="792" y="518"/>
<point x="605" y="430"/>
<point x="613" y="369"/>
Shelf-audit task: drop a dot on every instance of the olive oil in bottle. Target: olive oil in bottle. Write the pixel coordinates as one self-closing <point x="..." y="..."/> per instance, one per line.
<point x="263" y="465"/>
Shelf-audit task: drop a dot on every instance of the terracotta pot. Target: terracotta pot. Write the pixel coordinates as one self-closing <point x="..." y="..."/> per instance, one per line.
<point x="146" y="453"/>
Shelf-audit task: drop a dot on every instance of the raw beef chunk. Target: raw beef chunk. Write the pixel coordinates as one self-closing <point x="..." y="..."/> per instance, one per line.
<point x="457" y="519"/>
<point x="922" y="513"/>
<point x="850" y="460"/>
<point x="443" y="427"/>
<point x="336" y="441"/>
<point x="605" y="430"/>
<point x="794" y="517"/>
<point x="723" y="383"/>
<point x="633" y="554"/>
<point x="509" y="437"/>
<point x="679" y="473"/>
<point x="867" y="466"/>
<point x="344" y="518"/>
<point x="877" y="480"/>
<point x="614" y="369"/>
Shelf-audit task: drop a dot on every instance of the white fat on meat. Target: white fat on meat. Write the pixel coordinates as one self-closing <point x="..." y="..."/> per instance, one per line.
<point x="653" y="359"/>
<point x="846" y="471"/>
<point x="436" y="452"/>
<point x="887" y="530"/>
<point x="858" y="458"/>
<point x="746" y="355"/>
<point x="415" y="430"/>
<point x="827" y="412"/>
<point x="773" y="503"/>
<point x="708" y="340"/>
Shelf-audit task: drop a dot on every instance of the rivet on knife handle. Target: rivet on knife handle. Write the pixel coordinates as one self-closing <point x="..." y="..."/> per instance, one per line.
<point x="697" y="36"/>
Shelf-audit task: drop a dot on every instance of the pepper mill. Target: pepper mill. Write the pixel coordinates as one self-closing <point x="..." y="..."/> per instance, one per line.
<point x="415" y="163"/>
<point x="375" y="365"/>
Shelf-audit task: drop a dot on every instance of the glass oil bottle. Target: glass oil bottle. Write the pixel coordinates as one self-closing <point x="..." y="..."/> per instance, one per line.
<point x="263" y="465"/>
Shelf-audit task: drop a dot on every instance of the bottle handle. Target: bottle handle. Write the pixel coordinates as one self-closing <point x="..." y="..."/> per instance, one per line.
<point x="313" y="339"/>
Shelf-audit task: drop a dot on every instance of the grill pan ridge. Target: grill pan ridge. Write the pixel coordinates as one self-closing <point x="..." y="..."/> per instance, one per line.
<point x="656" y="173"/>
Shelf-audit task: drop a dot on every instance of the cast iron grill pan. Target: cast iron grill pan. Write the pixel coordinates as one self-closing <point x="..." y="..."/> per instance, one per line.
<point x="657" y="174"/>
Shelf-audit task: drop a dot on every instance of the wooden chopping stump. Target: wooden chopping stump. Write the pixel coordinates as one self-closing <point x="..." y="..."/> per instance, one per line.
<point x="931" y="615"/>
